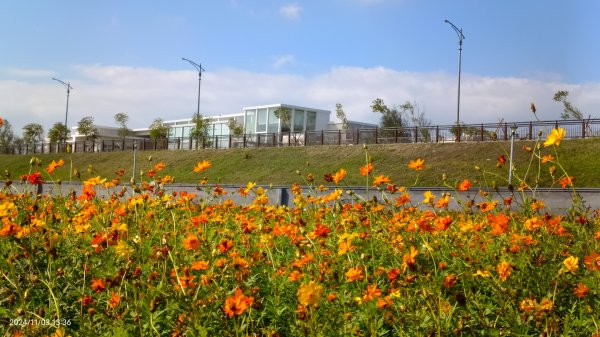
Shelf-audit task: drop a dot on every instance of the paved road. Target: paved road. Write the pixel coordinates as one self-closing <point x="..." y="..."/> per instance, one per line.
<point x="557" y="201"/>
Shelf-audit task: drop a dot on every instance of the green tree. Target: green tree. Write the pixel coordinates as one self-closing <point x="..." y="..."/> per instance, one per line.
<point x="33" y="133"/>
<point x="200" y="128"/>
<point x="390" y="117"/>
<point x="285" y="115"/>
<point x="158" y="129"/>
<point x="58" y="133"/>
<point x="341" y="115"/>
<point x="86" y="127"/>
<point x="569" y="111"/>
<point x="235" y="128"/>
<point x="122" y="118"/>
<point x="6" y="136"/>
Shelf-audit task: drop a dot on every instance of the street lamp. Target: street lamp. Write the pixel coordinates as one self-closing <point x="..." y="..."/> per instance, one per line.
<point x="513" y="130"/>
<point x="460" y="40"/>
<point x="200" y="70"/>
<point x="69" y="87"/>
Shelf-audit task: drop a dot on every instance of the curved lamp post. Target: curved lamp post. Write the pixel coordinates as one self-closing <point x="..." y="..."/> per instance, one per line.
<point x="460" y="40"/>
<point x="69" y="87"/>
<point x="200" y="70"/>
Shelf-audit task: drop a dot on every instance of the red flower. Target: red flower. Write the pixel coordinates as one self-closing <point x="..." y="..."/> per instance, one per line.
<point x="35" y="178"/>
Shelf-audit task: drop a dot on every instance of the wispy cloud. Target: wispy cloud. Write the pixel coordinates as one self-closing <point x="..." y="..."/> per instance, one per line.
<point x="283" y="60"/>
<point x="148" y="93"/>
<point x="290" y="12"/>
<point x="18" y="72"/>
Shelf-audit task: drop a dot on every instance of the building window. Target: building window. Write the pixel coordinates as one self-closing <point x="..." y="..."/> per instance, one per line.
<point x="311" y="121"/>
<point x="249" y="127"/>
<point x="273" y="121"/>
<point x="298" y="120"/>
<point x="261" y="120"/>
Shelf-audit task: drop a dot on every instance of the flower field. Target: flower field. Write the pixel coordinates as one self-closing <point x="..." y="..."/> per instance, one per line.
<point x="151" y="261"/>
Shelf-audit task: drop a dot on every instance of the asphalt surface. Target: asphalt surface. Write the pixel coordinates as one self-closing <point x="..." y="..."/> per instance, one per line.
<point x="556" y="201"/>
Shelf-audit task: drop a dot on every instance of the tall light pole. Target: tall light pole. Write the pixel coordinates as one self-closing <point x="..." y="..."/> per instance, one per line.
<point x="513" y="130"/>
<point x="200" y="70"/>
<point x="69" y="87"/>
<point x="460" y="40"/>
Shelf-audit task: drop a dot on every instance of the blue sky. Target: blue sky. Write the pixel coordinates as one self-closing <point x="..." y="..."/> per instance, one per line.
<point x="125" y="56"/>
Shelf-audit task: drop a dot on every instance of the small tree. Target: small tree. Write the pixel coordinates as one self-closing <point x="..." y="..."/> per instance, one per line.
<point x="86" y="127"/>
<point x="33" y="133"/>
<point x="200" y="128"/>
<point x="235" y="128"/>
<point x="341" y="115"/>
<point x="390" y="117"/>
<point x="58" y="133"/>
<point x="285" y="115"/>
<point x="569" y="111"/>
<point x="6" y="136"/>
<point x="122" y="118"/>
<point x="159" y="131"/>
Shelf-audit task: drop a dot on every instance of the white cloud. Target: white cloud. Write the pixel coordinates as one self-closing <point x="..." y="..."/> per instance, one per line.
<point x="283" y="60"/>
<point x="290" y="12"/>
<point x="148" y="93"/>
<point x="18" y="72"/>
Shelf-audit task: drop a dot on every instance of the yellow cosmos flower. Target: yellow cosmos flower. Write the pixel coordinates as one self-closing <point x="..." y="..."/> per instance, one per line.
<point x="310" y="293"/>
<point x="555" y="136"/>
<point x="571" y="263"/>
<point x="428" y="197"/>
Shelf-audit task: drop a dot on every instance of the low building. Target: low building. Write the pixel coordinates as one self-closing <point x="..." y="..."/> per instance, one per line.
<point x="259" y="124"/>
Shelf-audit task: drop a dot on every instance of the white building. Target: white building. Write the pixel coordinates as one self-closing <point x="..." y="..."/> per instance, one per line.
<point x="259" y="124"/>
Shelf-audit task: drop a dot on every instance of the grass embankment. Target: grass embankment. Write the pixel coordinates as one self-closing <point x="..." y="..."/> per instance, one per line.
<point x="279" y="165"/>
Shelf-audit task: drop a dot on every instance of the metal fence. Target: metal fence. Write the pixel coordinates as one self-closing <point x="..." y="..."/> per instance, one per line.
<point x="431" y="134"/>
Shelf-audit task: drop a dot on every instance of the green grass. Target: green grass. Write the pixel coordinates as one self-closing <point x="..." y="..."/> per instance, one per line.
<point x="279" y="165"/>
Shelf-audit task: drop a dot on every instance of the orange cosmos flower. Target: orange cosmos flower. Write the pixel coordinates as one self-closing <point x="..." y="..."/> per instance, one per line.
<point x="237" y="304"/>
<point x="371" y="293"/>
<point x="402" y="199"/>
<point x="54" y="165"/>
<point x="408" y="260"/>
<point x="501" y="161"/>
<point x="417" y="164"/>
<point x="381" y="180"/>
<point x="547" y="158"/>
<point x="528" y="305"/>
<point x="464" y="185"/>
<point x="355" y="274"/>
<point x="201" y="166"/>
<point x="367" y="169"/>
<point x="339" y="175"/>
<point x="98" y="285"/>
<point x="504" y="270"/>
<point x="581" y="290"/>
<point x="450" y="280"/>
<point x="309" y="293"/>
<point x="487" y="206"/>
<point x="443" y="201"/>
<point x="571" y="263"/>
<point x="114" y="300"/>
<point x="565" y="181"/>
<point x="191" y="242"/>
<point x="159" y="166"/>
<point x="200" y="265"/>
<point x="555" y="136"/>
<point x="225" y="245"/>
<point x="592" y="261"/>
<point x="1" y="122"/>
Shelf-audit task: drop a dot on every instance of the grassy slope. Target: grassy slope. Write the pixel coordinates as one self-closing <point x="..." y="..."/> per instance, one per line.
<point x="279" y="165"/>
